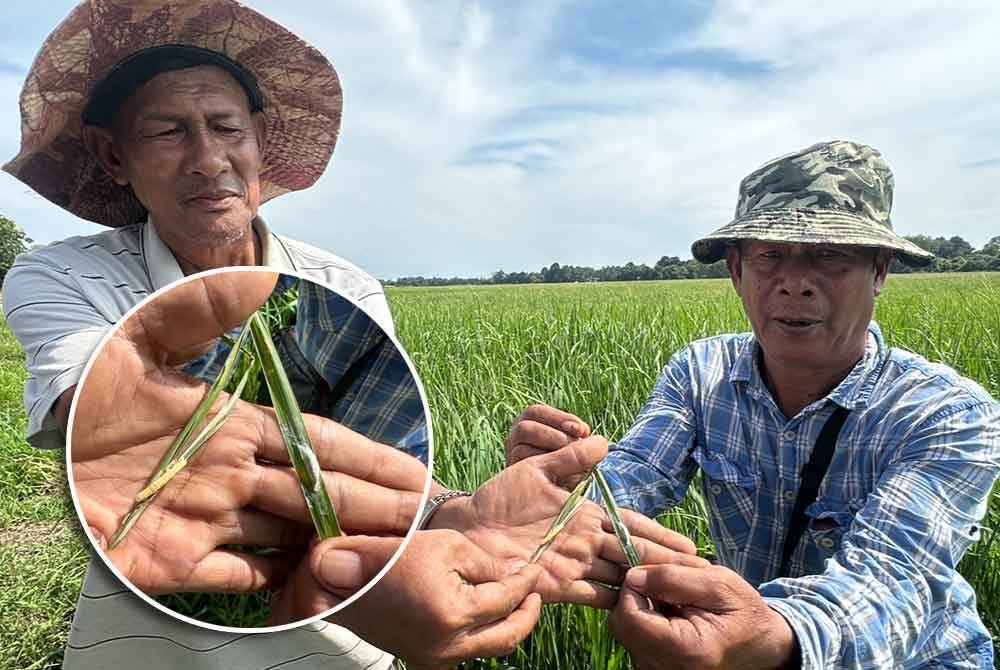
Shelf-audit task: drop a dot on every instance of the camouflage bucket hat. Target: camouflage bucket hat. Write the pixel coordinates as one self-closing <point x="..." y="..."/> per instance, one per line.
<point x="830" y="193"/>
<point x="300" y="90"/>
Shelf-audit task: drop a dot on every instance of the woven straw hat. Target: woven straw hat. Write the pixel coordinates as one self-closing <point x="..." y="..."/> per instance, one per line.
<point x="300" y="89"/>
<point x="830" y="193"/>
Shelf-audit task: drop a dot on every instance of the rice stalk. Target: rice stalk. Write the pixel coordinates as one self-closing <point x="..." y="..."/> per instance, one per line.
<point x="294" y="433"/>
<point x="576" y="500"/>
<point x="167" y="461"/>
<point x="621" y="530"/>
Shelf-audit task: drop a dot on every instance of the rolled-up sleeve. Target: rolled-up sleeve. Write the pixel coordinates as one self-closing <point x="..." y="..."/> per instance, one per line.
<point x="897" y="562"/>
<point x="650" y="468"/>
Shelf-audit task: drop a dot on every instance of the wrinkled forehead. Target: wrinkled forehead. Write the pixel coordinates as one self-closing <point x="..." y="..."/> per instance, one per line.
<point x="205" y="87"/>
<point x="800" y="247"/>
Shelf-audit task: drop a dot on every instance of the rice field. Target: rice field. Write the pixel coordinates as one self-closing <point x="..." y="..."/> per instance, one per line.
<point x="484" y="353"/>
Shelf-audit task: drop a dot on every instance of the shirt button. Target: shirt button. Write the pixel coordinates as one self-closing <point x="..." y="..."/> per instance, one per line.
<point x="789" y="496"/>
<point x="715" y="489"/>
<point x="788" y="435"/>
<point x="826" y="542"/>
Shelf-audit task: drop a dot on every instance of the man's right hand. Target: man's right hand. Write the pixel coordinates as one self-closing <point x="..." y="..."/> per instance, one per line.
<point x="542" y="428"/>
<point x="443" y="601"/>
<point x="239" y="489"/>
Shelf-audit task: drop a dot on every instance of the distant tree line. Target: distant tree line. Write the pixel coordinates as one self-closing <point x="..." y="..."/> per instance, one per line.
<point x="954" y="254"/>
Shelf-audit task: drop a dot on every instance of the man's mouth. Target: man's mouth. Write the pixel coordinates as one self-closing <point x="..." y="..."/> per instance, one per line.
<point x="798" y="323"/>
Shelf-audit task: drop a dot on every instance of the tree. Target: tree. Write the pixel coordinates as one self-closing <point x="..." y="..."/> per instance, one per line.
<point x="13" y="241"/>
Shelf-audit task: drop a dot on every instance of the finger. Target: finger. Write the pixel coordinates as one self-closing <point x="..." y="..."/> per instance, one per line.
<point x="208" y="307"/>
<point x="558" y="419"/>
<point x="573" y="460"/>
<point x="705" y="588"/>
<point x="644" y="527"/>
<point x="344" y="564"/>
<point x="520" y="452"/>
<point x="652" y="553"/>
<point x="260" y="529"/>
<point x="495" y="600"/>
<point x="581" y="592"/>
<point x="362" y="507"/>
<point x="223" y="571"/>
<point x="501" y="638"/>
<point x="341" y="449"/>
<point x="538" y="435"/>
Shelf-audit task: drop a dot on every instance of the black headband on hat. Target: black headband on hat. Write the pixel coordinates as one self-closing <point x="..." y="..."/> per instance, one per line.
<point x="128" y="75"/>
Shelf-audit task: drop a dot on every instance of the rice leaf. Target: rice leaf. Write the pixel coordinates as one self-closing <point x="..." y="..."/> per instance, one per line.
<point x="621" y="531"/>
<point x="293" y="431"/>
<point x="182" y="439"/>
<point x="192" y="449"/>
<point x="576" y="500"/>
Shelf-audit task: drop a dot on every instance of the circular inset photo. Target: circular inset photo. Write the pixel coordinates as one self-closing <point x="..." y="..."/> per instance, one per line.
<point x="231" y="425"/>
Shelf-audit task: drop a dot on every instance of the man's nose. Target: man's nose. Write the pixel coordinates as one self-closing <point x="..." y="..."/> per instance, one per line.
<point x="207" y="156"/>
<point x="798" y="276"/>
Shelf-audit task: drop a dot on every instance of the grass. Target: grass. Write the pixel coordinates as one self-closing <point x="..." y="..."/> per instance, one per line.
<point x="483" y="354"/>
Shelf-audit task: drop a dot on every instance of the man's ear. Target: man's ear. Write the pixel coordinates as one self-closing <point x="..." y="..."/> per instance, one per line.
<point x="734" y="264"/>
<point x="883" y="257"/>
<point x="102" y="144"/>
<point x="259" y="121"/>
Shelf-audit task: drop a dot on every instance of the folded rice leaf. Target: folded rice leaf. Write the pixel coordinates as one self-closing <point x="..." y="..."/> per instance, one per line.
<point x="183" y="438"/>
<point x="293" y="431"/>
<point x="577" y="499"/>
<point x="621" y="531"/>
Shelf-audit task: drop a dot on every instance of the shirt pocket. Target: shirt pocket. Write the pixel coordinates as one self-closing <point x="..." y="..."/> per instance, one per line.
<point x="730" y="491"/>
<point x="827" y="521"/>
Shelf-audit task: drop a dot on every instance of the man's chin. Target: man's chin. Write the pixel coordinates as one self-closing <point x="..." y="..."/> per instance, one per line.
<point x="221" y="229"/>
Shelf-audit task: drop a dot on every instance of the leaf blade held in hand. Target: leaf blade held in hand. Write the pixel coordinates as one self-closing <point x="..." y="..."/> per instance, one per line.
<point x="294" y="433"/>
<point x="577" y="498"/>
<point x="167" y="461"/>
<point x="621" y="530"/>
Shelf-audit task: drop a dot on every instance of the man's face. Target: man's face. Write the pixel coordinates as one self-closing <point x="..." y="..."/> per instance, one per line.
<point x="188" y="145"/>
<point x="809" y="304"/>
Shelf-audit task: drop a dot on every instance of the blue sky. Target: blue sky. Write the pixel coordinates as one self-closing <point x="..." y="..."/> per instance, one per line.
<point x="488" y="135"/>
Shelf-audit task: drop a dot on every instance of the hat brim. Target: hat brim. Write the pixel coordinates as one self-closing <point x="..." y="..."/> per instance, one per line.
<point x="301" y="90"/>
<point x="807" y="226"/>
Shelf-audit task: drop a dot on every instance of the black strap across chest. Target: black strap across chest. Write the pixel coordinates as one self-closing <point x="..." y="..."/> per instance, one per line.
<point x="812" y="477"/>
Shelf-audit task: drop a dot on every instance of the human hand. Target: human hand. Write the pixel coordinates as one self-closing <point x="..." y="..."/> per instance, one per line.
<point x="716" y="620"/>
<point x="239" y="489"/>
<point x="443" y="601"/>
<point x="542" y="428"/>
<point x="510" y="515"/>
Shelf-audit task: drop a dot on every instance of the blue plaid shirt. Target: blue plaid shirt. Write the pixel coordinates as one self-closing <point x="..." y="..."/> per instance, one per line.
<point x="873" y="581"/>
<point x="341" y="351"/>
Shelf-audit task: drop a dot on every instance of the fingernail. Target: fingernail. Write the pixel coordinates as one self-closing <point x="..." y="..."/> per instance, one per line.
<point x="636" y="579"/>
<point x="99" y="538"/>
<point x="339" y="569"/>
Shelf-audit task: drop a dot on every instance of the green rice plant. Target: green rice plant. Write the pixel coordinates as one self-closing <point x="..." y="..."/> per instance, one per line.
<point x="577" y="498"/>
<point x="294" y="433"/>
<point x="621" y="530"/>
<point x="168" y="465"/>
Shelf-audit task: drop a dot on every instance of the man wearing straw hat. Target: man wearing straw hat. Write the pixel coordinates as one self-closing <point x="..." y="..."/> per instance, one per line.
<point x="844" y="479"/>
<point x="171" y="121"/>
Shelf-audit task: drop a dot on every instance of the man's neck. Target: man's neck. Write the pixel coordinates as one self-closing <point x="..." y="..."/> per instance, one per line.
<point x="245" y="251"/>
<point x="795" y="387"/>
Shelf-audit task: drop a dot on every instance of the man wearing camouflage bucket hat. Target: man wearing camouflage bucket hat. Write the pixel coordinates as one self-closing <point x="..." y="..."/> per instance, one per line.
<point x="844" y="479"/>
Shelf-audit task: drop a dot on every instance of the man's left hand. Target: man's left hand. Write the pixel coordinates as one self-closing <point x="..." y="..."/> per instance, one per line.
<point x="714" y="619"/>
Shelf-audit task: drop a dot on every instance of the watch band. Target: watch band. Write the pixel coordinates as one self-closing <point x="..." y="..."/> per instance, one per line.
<point x="434" y="503"/>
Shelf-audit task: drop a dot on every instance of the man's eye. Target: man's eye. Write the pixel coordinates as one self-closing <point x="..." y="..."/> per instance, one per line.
<point x="229" y="130"/>
<point x="830" y="254"/>
<point x="770" y="255"/>
<point x="165" y="133"/>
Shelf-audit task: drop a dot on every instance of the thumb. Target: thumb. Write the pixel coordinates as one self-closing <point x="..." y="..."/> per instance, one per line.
<point x="345" y="564"/>
<point x="572" y="461"/>
<point x="207" y="306"/>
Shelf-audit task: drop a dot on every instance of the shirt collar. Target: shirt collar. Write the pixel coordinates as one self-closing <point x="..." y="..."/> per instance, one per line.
<point x="164" y="269"/>
<point x="855" y="389"/>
